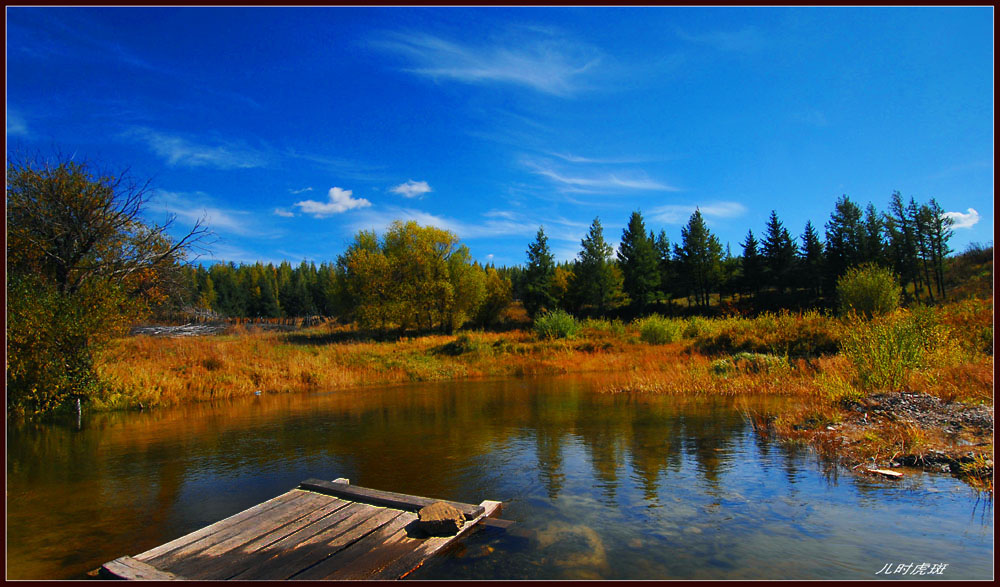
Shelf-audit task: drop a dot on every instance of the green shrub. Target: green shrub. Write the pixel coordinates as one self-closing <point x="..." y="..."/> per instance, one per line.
<point x="462" y="344"/>
<point x="868" y="290"/>
<point x="697" y="326"/>
<point x="885" y="350"/>
<point x="656" y="329"/>
<point x="759" y="362"/>
<point x="723" y="367"/>
<point x="557" y="324"/>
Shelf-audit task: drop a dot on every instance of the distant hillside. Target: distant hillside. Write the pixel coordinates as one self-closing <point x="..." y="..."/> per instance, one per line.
<point x="970" y="274"/>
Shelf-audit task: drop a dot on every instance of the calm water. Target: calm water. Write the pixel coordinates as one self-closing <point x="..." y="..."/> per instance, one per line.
<point x="601" y="486"/>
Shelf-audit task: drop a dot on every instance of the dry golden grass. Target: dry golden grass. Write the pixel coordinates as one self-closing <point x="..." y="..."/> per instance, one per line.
<point x="157" y="371"/>
<point x="167" y="371"/>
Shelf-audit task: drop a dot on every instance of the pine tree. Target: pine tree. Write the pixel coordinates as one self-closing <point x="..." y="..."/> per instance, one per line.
<point x="596" y="283"/>
<point x="752" y="265"/>
<point x="844" y="241"/>
<point x="920" y="216"/>
<point x="940" y="233"/>
<point x="902" y="243"/>
<point x="699" y="258"/>
<point x="667" y="285"/>
<point x="638" y="261"/>
<point x="779" y="254"/>
<point x="873" y="248"/>
<point x="811" y="264"/>
<point x="537" y="280"/>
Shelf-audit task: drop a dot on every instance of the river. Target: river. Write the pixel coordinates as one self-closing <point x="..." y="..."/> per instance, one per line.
<point x="603" y="486"/>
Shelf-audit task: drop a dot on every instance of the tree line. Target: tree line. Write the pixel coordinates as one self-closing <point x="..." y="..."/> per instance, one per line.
<point x="412" y="277"/>
<point x="649" y="273"/>
<point x="423" y="278"/>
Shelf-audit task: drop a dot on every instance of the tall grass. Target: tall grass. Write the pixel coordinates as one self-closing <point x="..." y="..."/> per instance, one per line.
<point x="886" y="350"/>
<point x="656" y="329"/>
<point x="810" y="334"/>
<point x="557" y="324"/>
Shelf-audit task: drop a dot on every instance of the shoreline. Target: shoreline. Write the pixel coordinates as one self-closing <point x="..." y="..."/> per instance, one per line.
<point x="838" y="420"/>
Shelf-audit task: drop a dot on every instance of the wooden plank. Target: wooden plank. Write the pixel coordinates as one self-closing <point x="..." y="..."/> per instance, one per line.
<point x="886" y="472"/>
<point x="384" y="498"/>
<point x="429" y="547"/>
<point x="365" y="560"/>
<point x="358" y="547"/>
<point x="229" y="562"/>
<point x="233" y="535"/>
<point x="207" y="530"/>
<point x="320" y="546"/>
<point x="128" y="568"/>
<point x="299" y="545"/>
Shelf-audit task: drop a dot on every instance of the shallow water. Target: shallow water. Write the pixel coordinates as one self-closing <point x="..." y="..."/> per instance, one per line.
<point x="608" y="486"/>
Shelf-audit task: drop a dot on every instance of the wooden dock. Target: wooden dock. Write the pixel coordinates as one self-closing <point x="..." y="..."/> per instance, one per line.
<point x="319" y="530"/>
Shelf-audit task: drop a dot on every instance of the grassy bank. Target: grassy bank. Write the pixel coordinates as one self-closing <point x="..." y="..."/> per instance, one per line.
<point x="834" y="366"/>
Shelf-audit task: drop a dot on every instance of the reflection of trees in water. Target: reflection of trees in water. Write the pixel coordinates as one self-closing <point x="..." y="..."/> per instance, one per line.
<point x="655" y="442"/>
<point x="792" y="453"/>
<point x="445" y="440"/>
<point x="708" y="438"/>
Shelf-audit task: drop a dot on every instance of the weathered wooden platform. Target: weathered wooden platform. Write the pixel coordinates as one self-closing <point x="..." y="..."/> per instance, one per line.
<point x="320" y="530"/>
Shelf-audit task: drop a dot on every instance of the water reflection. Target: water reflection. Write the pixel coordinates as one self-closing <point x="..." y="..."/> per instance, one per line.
<point x="601" y="485"/>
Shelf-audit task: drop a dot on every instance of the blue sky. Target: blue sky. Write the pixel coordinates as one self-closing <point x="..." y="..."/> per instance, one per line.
<point x="291" y="129"/>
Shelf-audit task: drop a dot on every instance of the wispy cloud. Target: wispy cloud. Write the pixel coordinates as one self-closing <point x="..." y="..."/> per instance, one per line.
<point x="340" y="200"/>
<point x="963" y="220"/>
<point x="607" y="181"/>
<point x="343" y="168"/>
<point x="411" y="189"/>
<point x="535" y="58"/>
<point x="301" y="191"/>
<point x="178" y="150"/>
<point x="680" y="213"/>
<point x="600" y="161"/>
<point x="283" y="213"/>
<point x="746" y="40"/>
<point x="194" y="206"/>
<point x="16" y="125"/>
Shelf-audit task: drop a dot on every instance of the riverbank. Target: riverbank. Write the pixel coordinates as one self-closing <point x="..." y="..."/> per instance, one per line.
<point x="833" y="366"/>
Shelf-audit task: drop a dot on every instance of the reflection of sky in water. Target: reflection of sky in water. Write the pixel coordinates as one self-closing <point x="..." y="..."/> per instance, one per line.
<point x="601" y="486"/>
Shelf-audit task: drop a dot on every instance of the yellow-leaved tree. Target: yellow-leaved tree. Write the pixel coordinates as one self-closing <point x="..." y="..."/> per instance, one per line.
<point x="414" y="277"/>
<point x="82" y="266"/>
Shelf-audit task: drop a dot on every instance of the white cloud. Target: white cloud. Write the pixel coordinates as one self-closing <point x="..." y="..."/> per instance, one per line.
<point x="963" y="220"/>
<point x="577" y="159"/>
<point x="539" y="60"/>
<point x="283" y="213"/>
<point x="191" y="207"/>
<point x="16" y="126"/>
<point x="681" y="213"/>
<point x="177" y="150"/>
<point x="302" y="191"/>
<point x="411" y="189"/>
<point x="610" y="181"/>
<point x="339" y="201"/>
